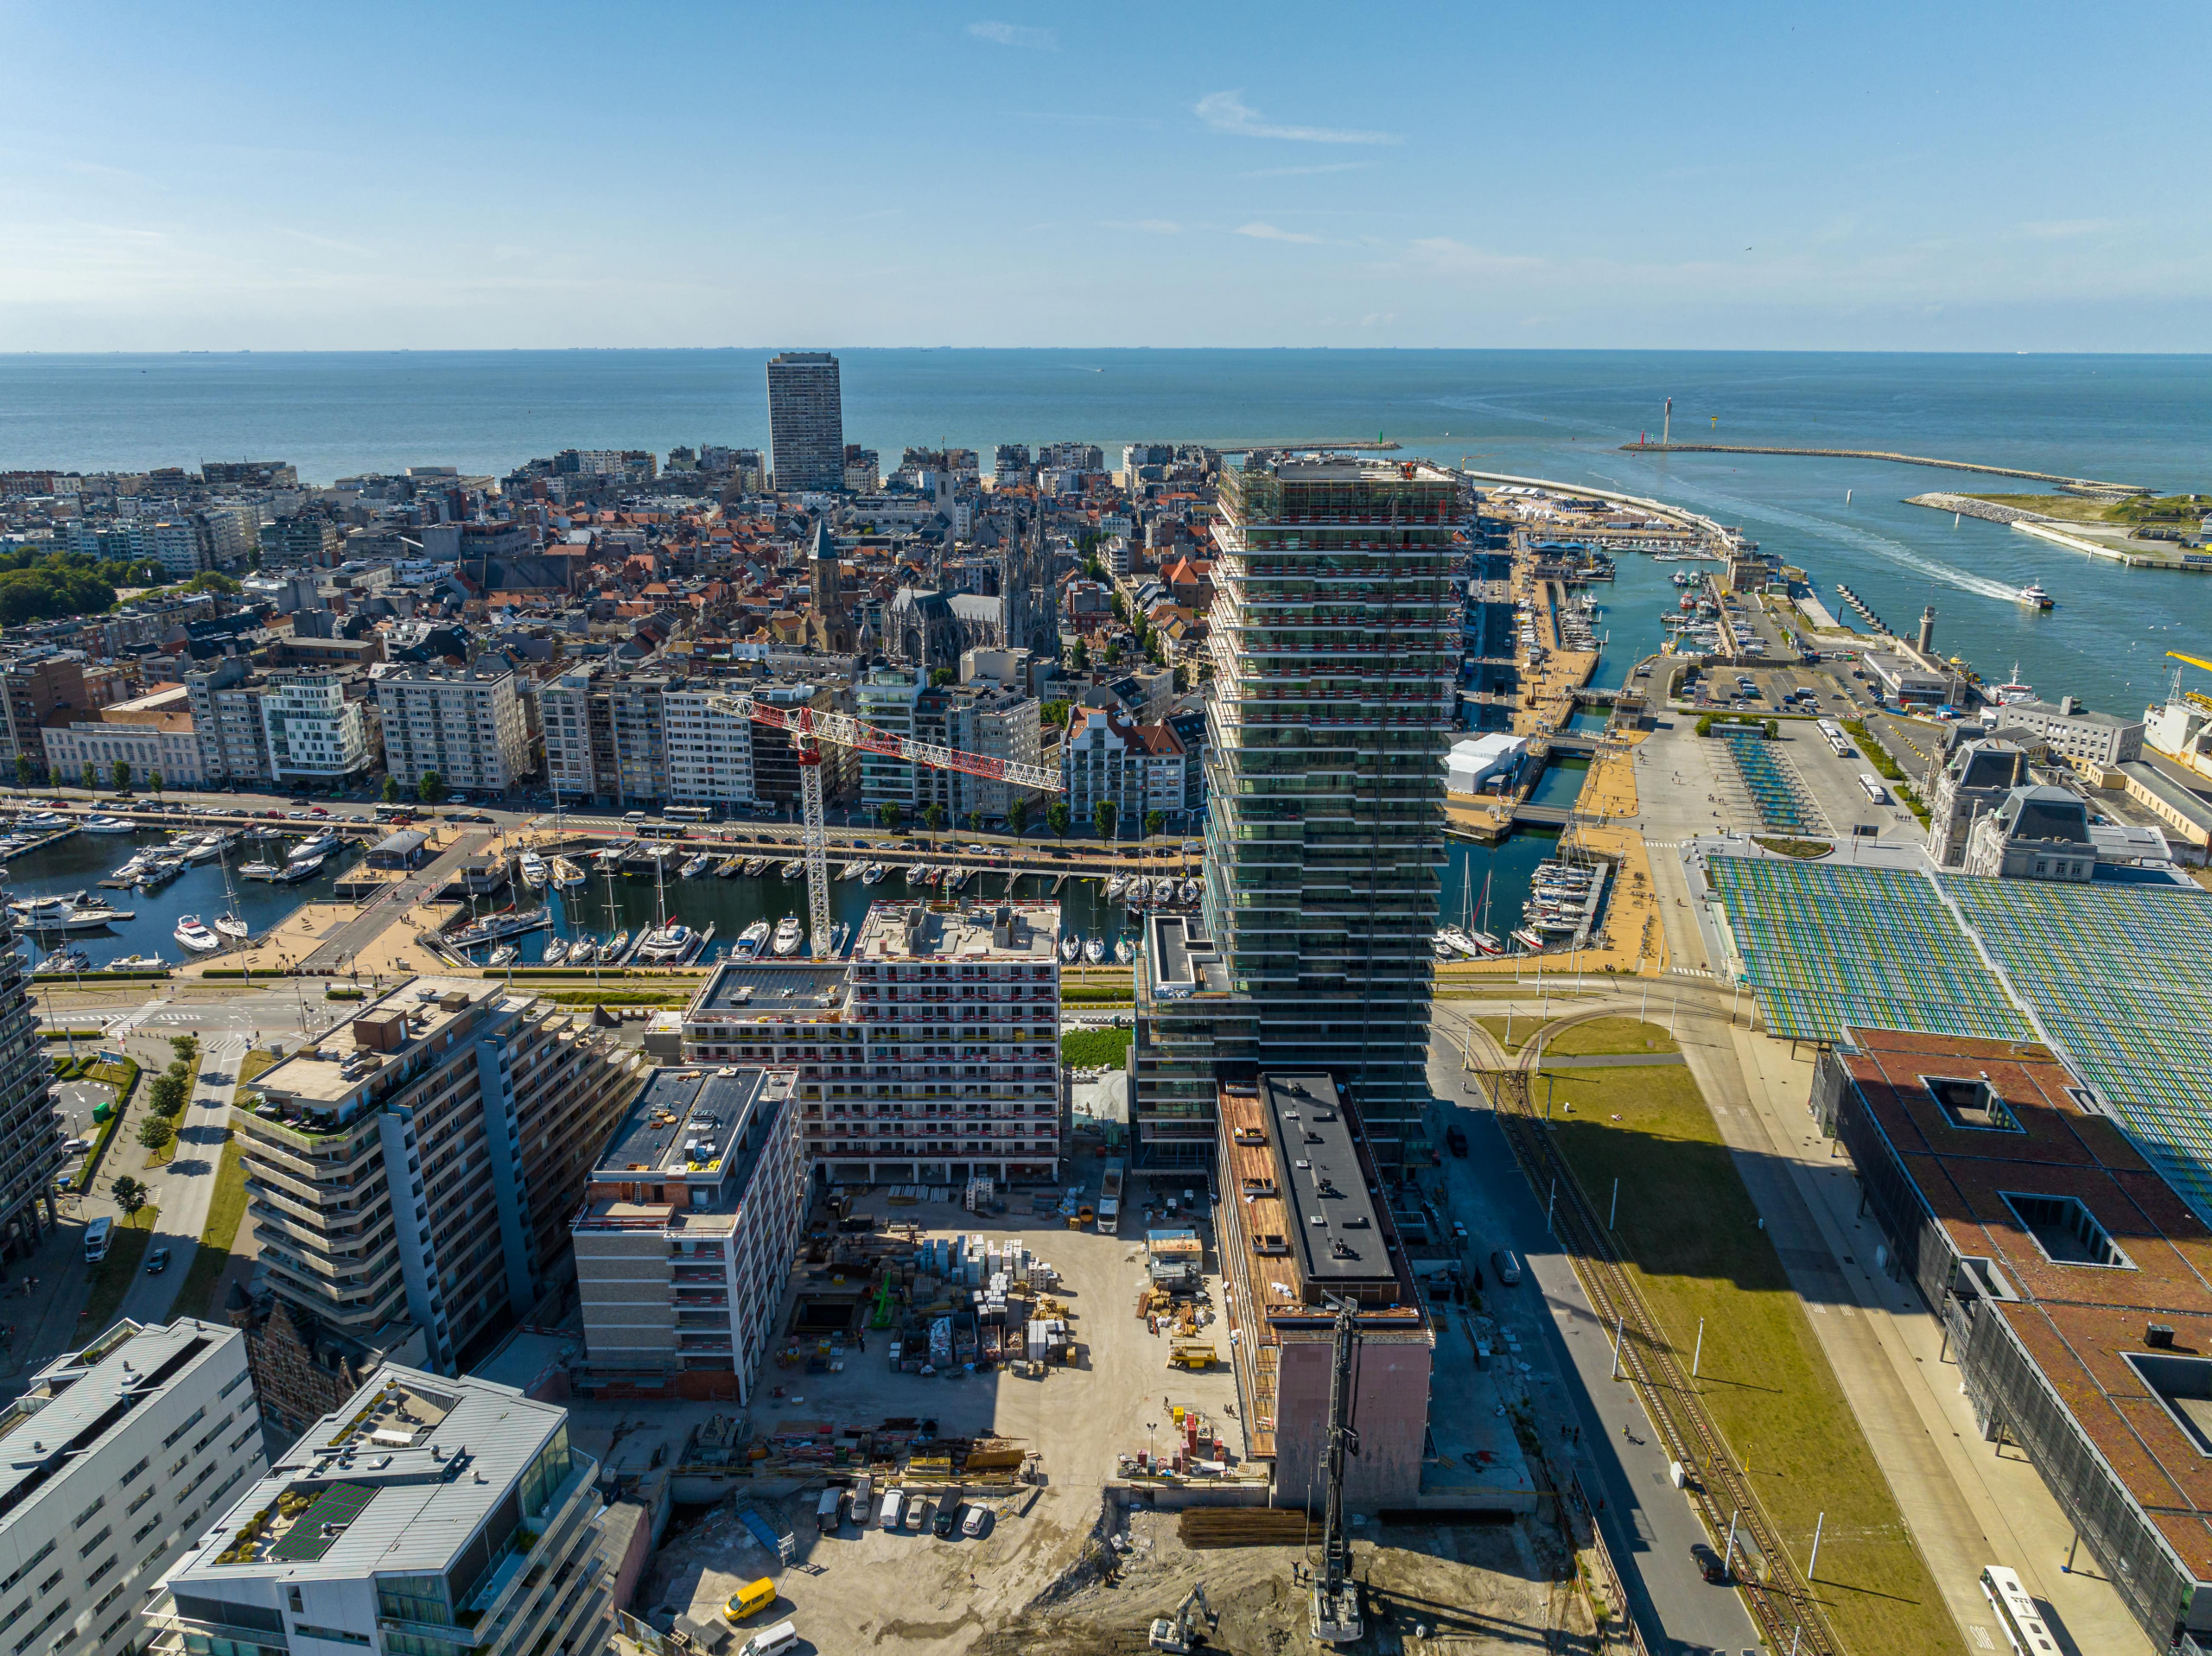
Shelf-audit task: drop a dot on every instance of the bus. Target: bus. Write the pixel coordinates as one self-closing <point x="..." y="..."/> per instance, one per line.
<point x="95" y="1239"/>
<point x="686" y="813"/>
<point x="2016" y="1613"/>
<point x="1875" y="791"/>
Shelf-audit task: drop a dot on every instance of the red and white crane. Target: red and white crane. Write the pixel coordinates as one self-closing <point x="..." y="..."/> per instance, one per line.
<point x="809" y="728"/>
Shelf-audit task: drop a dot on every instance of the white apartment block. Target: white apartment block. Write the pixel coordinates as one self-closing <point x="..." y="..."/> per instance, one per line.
<point x="116" y="1456"/>
<point x="690" y="1222"/>
<point x="464" y="724"/>
<point x="423" y="1517"/>
<point x="933" y="1054"/>
<point x="1102" y="758"/>
<point x="709" y="751"/>
<point x="885" y="698"/>
<point x="314" y="732"/>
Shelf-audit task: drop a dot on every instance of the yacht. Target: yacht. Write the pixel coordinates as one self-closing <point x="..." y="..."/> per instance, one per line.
<point x="873" y="873"/>
<point x="1070" y="946"/>
<point x="793" y="869"/>
<point x="321" y="846"/>
<point x="261" y="870"/>
<point x="755" y="867"/>
<point x="752" y="939"/>
<point x="195" y="937"/>
<point x="919" y="873"/>
<point x="583" y="952"/>
<point x="2033" y="596"/>
<point x="535" y="873"/>
<point x="1094" y="951"/>
<point x="1531" y="940"/>
<point x="959" y="876"/>
<point x="2006" y="694"/>
<point x="729" y="868"/>
<point x="566" y="874"/>
<point x="1190" y="890"/>
<point x="694" y="866"/>
<point x="81" y="913"/>
<point x="840" y="935"/>
<point x="68" y="960"/>
<point x="133" y="963"/>
<point x="851" y="871"/>
<point x="232" y="926"/>
<point x="1451" y="941"/>
<point x="557" y="950"/>
<point x="299" y="868"/>
<point x="1124" y="952"/>
<point x="665" y="944"/>
<point x="101" y="822"/>
<point x="789" y="934"/>
<point x="1485" y="942"/>
<point x="503" y="954"/>
<point x="610" y="952"/>
<point x="1114" y="886"/>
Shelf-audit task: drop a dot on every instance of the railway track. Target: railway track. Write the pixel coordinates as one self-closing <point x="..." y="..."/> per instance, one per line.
<point x="1780" y="1600"/>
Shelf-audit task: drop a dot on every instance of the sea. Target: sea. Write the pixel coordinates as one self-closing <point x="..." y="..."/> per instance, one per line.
<point x="1557" y="415"/>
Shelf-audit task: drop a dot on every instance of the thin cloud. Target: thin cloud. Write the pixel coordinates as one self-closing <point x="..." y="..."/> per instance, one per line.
<point x="1031" y="40"/>
<point x="1150" y="226"/>
<point x="2051" y="230"/>
<point x="1259" y="231"/>
<point x="1226" y="111"/>
<point x="1446" y="257"/>
<point x="1305" y="172"/>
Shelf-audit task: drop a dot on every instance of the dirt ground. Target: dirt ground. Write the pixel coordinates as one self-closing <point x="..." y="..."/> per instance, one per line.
<point x="1056" y="1583"/>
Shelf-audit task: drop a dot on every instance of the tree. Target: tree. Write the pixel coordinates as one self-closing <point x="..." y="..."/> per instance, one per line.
<point x="1053" y="715"/>
<point x="975" y="822"/>
<point x="432" y="788"/>
<point x="91" y="776"/>
<point x="1017" y="815"/>
<point x="187" y="1047"/>
<point x="941" y="677"/>
<point x="1113" y="652"/>
<point x="153" y="781"/>
<point x="1078" y="655"/>
<point x="1057" y="818"/>
<point x="121" y="771"/>
<point x="168" y="1094"/>
<point x="391" y="790"/>
<point x="25" y="771"/>
<point x="1153" y="822"/>
<point x="129" y="1194"/>
<point x="1101" y="816"/>
<point x="934" y="818"/>
<point x="1182" y="678"/>
<point x="154" y="1132"/>
<point x="1121" y="609"/>
<point x="890" y="816"/>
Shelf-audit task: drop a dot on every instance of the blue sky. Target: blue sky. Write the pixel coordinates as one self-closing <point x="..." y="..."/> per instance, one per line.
<point x="1871" y="176"/>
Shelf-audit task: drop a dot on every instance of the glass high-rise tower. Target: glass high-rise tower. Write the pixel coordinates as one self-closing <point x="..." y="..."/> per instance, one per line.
<point x="1334" y="634"/>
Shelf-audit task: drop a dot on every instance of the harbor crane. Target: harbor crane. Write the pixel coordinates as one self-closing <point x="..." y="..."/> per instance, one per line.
<point x="809" y="727"/>
<point x="1334" y="1617"/>
<point x="2196" y="698"/>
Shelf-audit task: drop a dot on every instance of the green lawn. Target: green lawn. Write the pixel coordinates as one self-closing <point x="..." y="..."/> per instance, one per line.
<point x="1088" y="1049"/>
<point x="112" y="1277"/>
<point x="1763" y="1376"/>
<point x="1600" y="1037"/>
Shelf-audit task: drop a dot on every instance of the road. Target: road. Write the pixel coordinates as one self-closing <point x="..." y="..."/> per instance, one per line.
<point x="1649" y="1525"/>
<point x="389" y="907"/>
<point x="185" y="1188"/>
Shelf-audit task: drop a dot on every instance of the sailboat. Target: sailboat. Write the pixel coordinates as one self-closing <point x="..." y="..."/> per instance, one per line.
<point x="1484" y="940"/>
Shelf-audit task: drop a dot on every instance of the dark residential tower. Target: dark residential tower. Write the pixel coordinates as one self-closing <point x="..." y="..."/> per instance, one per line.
<point x="806" y="423"/>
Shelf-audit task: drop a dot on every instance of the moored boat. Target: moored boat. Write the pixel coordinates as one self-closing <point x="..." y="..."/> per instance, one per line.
<point x="195" y="935"/>
<point x="752" y="939"/>
<point x="789" y="934"/>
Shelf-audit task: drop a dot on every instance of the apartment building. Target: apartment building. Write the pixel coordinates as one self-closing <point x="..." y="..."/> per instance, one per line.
<point x="623" y="739"/>
<point x="2095" y="742"/>
<point x="314" y="731"/>
<point x="35" y="687"/>
<point x="463" y="724"/>
<point x="1334" y="632"/>
<point x="30" y="1144"/>
<point x="1158" y="763"/>
<point x="990" y="720"/>
<point x="709" y="751"/>
<point x="410" y="1177"/>
<point x="691" y="1220"/>
<point x="116" y="1454"/>
<point x="152" y="735"/>
<point x="806" y="423"/>
<point x="234" y="743"/>
<point x="886" y="697"/>
<point x="1101" y="762"/>
<point x="931" y="1055"/>
<point x="421" y="1517"/>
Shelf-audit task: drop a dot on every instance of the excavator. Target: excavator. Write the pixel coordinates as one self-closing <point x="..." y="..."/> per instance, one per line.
<point x="1186" y="1630"/>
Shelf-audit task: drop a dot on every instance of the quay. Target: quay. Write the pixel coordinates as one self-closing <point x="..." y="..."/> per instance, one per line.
<point x="2084" y="485"/>
<point x="1356" y="446"/>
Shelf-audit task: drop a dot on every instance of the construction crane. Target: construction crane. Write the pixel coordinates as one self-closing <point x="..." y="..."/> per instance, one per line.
<point x="809" y="728"/>
<point x="1182" y="1633"/>
<point x="1334" y="1610"/>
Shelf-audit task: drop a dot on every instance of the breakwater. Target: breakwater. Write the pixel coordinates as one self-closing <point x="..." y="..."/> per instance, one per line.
<point x="2086" y="484"/>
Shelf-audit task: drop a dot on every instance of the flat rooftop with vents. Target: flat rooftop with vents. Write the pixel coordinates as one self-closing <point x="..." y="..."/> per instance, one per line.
<point x="390" y="1039"/>
<point x="995" y="931"/>
<point x="772" y="989"/>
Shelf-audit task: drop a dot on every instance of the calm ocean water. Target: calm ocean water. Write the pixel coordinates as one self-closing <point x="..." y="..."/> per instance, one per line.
<point x="1550" y="414"/>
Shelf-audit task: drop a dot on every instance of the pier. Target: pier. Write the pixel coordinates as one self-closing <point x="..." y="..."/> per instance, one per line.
<point x="2083" y="485"/>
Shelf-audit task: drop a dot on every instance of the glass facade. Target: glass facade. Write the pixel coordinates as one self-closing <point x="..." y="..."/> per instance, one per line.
<point x="1334" y="635"/>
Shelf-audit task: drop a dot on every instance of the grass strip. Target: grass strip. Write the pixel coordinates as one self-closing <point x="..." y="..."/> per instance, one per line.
<point x="1763" y="1377"/>
<point x="196" y="1295"/>
<point x="1092" y="1049"/>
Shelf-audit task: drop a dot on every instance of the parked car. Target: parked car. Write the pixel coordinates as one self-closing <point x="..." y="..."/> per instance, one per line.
<point x="1708" y="1563"/>
<point x="947" y="1520"/>
<point x="73" y="1145"/>
<point x="1507" y="1266"/>
<point x="1456" y="1139"/>
<point x="972" y="1525"/>
<point x="157" y="1262"/>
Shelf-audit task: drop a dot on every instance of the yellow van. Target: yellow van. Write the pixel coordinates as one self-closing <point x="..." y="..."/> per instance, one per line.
<point x="750" y="1599"/>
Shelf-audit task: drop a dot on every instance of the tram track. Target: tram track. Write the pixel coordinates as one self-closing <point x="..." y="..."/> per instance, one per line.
<point x="1777" y="1592"/>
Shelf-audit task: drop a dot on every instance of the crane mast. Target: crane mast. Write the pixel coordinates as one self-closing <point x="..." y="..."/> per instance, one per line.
<point x="809" y="727"/>
<point x="1335" y="1618"/>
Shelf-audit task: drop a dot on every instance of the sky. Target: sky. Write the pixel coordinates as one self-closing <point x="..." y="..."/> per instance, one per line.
<point x="1870" y="176"/>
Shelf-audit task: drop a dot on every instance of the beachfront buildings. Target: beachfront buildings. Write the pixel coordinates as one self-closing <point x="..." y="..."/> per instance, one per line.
<point x="30" y="1140"/>
<point x="1334" y="639"/>
<point x="689" y="1225"/>
<point x="421" y="1517"/>
<point x="312" y="730"/>
<point x="806" y="423"/>
<point x="409" y="1179"/>
<point x="152" y="735"/>
<point x="463" y="724"/>
<point x="931" y="1055"/>
<point x="116" y="1453"/>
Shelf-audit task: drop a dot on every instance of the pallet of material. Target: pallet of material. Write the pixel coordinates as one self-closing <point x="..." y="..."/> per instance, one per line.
<point x="1242" y="1526"/>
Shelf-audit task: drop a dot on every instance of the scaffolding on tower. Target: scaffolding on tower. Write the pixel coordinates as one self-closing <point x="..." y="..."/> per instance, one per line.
<point x="809" y="727"/>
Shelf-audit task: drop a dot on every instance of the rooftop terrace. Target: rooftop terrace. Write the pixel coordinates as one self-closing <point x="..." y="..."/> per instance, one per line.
<point x="1006" y="931"/>
<point x="770" y="988"/>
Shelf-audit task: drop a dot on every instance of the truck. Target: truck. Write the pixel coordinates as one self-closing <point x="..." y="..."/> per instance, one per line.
<point x="1109" y="1197"/>
<point x="95" y="1239"/>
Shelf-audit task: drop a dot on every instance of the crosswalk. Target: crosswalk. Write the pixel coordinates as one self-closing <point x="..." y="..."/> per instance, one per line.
<point x="1691" y="972"/>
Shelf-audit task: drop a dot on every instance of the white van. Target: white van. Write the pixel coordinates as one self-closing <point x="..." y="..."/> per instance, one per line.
<point x="1507" y="1267"/>
<point x="895" y="1502"/>
<point x="771" y="1641"/>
